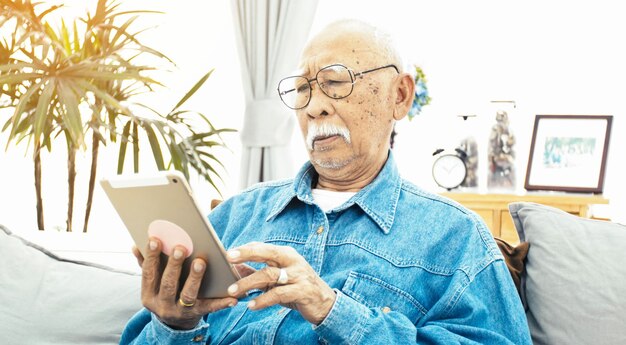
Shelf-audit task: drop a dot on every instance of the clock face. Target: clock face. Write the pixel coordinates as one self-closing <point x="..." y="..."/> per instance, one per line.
<point x="449" y="171"/>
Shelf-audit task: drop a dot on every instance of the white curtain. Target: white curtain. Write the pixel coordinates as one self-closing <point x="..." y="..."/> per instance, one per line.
<point x="270" y="36"/>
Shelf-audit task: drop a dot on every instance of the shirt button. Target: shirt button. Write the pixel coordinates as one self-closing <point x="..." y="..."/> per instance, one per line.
<point x="386" y="310"/>
<point x="320" y="230"/>
<point x="198" y="338"/>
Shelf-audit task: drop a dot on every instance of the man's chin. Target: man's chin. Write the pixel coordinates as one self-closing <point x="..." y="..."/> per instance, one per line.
<point x="325" y="160"/>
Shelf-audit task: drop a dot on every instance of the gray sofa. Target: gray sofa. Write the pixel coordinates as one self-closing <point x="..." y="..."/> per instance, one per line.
<point x="573" y="285"/>
<point x="45" y="299"/>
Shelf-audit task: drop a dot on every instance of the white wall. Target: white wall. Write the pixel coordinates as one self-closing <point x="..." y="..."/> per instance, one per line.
<point x="557" y="57"/>
<point x="551" y="57"/>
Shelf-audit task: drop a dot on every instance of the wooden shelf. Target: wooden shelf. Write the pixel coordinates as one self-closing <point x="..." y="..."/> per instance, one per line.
<point x="493" y="208"/>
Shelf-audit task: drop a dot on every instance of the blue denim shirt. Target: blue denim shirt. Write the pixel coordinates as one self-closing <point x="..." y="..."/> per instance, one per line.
<point x="407" y="266"/>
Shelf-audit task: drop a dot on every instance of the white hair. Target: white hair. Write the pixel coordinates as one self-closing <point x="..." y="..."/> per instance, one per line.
<point x="383" y="41"/>
<point x="325" y="129"/>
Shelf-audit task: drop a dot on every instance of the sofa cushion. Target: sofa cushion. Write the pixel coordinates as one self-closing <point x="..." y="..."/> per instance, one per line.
<point x="45" y="299"/>
<point x="574" y="289"/>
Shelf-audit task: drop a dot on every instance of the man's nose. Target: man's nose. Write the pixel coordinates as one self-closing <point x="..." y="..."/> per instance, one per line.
<point x="320" y="104"/>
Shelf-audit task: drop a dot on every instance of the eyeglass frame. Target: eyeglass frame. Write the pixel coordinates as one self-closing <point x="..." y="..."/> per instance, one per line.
<point x="353" y="79"/>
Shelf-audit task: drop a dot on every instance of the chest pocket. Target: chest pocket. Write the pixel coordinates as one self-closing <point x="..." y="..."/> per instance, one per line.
<point x="377" y="294"/>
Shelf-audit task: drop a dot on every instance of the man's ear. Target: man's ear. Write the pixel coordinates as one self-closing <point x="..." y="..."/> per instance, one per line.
<point x="404" y="94"/>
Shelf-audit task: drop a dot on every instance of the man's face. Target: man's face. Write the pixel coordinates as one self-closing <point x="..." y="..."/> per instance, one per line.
<point x="366" y="115"/>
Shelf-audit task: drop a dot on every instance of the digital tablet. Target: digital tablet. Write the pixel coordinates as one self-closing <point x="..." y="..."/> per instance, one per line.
<point x="162" y="205"/>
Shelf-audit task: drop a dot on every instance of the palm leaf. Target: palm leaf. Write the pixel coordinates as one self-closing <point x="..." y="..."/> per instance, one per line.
<point x="192" y="90"/>
<point x="76" y="38"/>
<point x="21" y="108"/>
<point x="209" y="179"/>
<point x="65" y="38"/>
<point x="41" y="112"/>
<point x="124" y="143"/>
<point x="18" y="78"/>
<point x="44" y="13"/>
<point x="71" y="117"/>
<point x="18" y="66"/>
<point x="208" y="155"/>
<point x="122" y="29"/>
<point x="104" y="96"/>
<point x="135" y="136"/>
<point x="154" y="144"/>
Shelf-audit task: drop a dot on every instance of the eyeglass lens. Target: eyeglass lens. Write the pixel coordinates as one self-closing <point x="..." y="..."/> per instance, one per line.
<point x="335" y="81"/>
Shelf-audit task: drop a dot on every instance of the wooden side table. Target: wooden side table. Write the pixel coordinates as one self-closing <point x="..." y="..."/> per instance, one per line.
<point x="493" y="208"/>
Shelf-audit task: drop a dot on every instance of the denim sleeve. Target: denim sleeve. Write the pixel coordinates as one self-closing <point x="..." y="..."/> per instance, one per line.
<point x="145" y="328"/>
<point x="482" y="312"/>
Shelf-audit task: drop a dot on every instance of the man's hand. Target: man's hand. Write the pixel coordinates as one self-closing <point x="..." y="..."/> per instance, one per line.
<point x="303" y="291"/>
<point x="159" y="289"/>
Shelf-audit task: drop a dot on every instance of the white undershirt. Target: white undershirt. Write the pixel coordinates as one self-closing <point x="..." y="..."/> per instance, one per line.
<point x="328" y="199"/>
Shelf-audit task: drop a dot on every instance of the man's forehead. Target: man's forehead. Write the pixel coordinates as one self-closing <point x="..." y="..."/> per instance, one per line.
<point x="352" y="58"/>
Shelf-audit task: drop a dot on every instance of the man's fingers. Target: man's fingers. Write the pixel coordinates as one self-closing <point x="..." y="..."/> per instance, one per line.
<point x="278" y="295"/>
<point x="278" y="256"/>
<point x="138" y="255"/>
<point x="189" y="293"/>
<point x="150" y="275"/>
<point x="171" y="275"/>
<point x="263" y="279"/>
<point x="206" y="306"/>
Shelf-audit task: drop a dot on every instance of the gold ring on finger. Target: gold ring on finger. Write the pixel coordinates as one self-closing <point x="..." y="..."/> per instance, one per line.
<point x="185" y="304"/>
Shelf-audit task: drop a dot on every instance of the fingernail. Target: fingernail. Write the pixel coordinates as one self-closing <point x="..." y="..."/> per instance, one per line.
<point x="153" y="245"/>
<point x="198" y="267"/>
<point x="251" y="304"/>
<point x="233" y="254"/>
<point x="178" y="253"/>
<point x="232" y="289"/>
<point x="231" y="304"/>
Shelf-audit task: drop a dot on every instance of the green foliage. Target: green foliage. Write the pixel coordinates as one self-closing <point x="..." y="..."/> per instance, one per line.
<point x="187" y="146"/>
<point x="50" y="74"/>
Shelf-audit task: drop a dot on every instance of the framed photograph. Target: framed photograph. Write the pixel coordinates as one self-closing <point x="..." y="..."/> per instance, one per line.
<point x="568" y="153"/>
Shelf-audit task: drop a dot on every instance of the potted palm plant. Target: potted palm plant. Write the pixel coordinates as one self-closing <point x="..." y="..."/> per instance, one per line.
<point x="79" y="82"/>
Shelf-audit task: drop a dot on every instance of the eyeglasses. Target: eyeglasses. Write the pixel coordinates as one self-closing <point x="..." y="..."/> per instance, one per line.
<point x="336" y="81"/>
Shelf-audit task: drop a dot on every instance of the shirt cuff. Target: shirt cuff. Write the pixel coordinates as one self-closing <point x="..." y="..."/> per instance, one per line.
<point x="163" y="334"/>
<point x="345" y="323"/>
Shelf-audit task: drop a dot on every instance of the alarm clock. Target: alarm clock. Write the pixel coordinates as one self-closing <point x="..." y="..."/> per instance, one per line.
<point x="449" y="169"/>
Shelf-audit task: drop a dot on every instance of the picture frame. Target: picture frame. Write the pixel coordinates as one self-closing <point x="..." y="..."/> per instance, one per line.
<point x="568" y="153"/>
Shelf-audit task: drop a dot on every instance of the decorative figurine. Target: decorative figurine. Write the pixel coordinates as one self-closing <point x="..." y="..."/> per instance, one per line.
<point x="469" y="146"/>
<point x="501" y="155"/>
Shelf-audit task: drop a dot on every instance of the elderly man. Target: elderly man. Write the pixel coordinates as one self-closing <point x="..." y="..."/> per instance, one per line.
<point x="347" y="251"/>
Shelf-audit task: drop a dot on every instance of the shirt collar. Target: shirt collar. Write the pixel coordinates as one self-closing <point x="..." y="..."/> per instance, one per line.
<point x="378" y="199"/>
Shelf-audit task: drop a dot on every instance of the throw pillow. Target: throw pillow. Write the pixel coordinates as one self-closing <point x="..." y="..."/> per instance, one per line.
<point x="45" y="299"/>
<point x="515" y="259"/>
<point x="575" y="286"/>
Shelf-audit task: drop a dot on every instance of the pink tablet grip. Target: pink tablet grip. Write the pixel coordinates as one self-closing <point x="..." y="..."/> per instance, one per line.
<point x="170" y="235"/>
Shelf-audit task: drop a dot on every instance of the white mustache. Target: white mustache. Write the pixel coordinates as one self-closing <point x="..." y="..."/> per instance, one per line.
<point x="325" y="129"/>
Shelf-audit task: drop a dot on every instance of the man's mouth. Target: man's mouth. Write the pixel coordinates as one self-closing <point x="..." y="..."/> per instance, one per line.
<point x="325" y="140"/>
